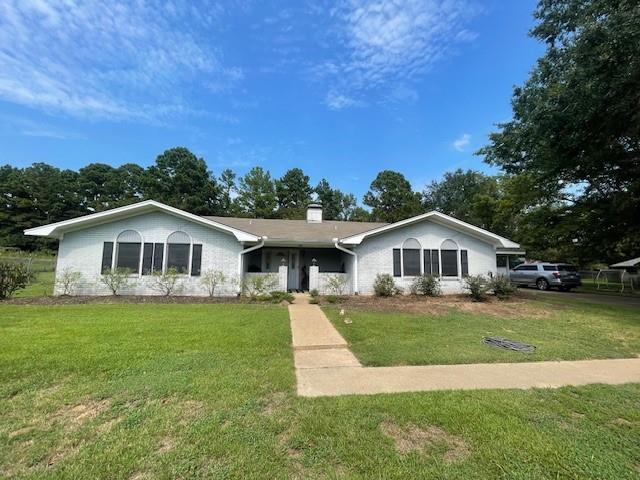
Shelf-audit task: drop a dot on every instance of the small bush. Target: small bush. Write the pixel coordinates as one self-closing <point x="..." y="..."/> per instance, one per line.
<point x="211" y="279"/>
<point x="278" y="297"/>
<point x="13" y="276"/>
<point x="426" y="285"/>
<point x="167" y="283"/>
<point x="67" y="281"/>
<point x="336" y="284"/>
<point x="115" y="280"/>
<point x="385" y="286"/>
<point x="477" y="286"/>
<point x="314" y="293"/>
<point x="314" y="301"/>
<point x="258" y="285"/>
<point x="331" y="298"/>
<point x="502" y="286"/>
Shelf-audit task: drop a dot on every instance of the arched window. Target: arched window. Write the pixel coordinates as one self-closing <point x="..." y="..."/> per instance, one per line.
<point x="411" y="257"/>
<point x="128" y="248"/>
<point x="178" y="251"/>
<point x="449" y="256"/>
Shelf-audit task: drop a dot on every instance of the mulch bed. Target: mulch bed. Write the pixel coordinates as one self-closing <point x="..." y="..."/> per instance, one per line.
<point x="123" y="299"/>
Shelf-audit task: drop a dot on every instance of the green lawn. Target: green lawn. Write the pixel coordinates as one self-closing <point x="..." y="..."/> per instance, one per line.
<point x="207" y="391"/>
<point x="560" y="331"/>
<point x="41" y="285"/>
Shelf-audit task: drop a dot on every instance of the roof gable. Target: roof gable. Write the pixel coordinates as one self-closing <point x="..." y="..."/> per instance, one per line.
<point x="441" y="219"/>
<point x="58" y="229"/>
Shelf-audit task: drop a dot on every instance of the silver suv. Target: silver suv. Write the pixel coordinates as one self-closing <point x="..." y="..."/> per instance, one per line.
<point x="546" y="275"/>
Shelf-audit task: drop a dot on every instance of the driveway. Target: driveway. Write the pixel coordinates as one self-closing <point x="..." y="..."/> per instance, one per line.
<point x="596" y="298"/>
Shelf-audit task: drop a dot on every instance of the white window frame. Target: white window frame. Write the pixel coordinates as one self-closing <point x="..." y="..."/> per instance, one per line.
<point x="166" y="253"/>
<point x="421" y="254"/>
<point x="114" y="255"/>
<point x="458" y="261"/>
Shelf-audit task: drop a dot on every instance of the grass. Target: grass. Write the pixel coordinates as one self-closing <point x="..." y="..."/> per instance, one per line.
<point x="207" y="391"/>
<point x="611" y="288"/>
<point x="41" y="285"/>
<point x="559" y="331"/>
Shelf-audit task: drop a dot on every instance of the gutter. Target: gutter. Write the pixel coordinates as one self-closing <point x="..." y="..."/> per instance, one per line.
<point x="241" y="253"/>
<point x="355" y="263"/>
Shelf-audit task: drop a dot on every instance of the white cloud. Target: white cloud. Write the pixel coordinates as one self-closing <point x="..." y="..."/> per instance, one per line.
<point x="389" y="42"/>
<point x="462" y="142"/>
<point x="115" y="60"/>
<point x="338" y="101"/>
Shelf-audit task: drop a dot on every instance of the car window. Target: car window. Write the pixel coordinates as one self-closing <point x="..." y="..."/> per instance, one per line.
<point x="527" y="267"/>
<point x="550" y="268"/>
<point x="567" y="268"/>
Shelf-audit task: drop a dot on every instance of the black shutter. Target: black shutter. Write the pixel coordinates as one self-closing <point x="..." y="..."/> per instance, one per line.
<point x="435" y="263"/>
<point x="396" y="262"/>
<point x="196" y="259"/>
<point x="464" y="263"/>
<point x="147" y="258"/>
<point x="158" y="255"/>
<point x="107" y="256"/>
<point x="427" y="262"/>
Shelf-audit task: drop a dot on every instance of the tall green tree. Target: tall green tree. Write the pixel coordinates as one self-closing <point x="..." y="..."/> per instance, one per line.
<point x="257" y="194"/>
<point x="293" y="192"/>
<point x="391" y="198"/>
<point x="469" y="196"/>
<point x="335" y="204"/>
<point x="182" y="180"/>
<point x="576" y="124"/>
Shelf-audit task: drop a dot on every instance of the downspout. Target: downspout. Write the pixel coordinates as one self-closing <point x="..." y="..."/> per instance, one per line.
<point x="355" y="263"/>
<point x="241" y="253"/>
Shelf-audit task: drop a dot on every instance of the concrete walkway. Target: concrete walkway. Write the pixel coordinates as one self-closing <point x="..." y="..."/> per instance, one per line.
<point x="326" y="367"/>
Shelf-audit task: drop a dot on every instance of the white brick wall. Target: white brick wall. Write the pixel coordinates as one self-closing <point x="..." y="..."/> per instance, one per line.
<point x="375" y="254"/>
<point x="81" y="251"/>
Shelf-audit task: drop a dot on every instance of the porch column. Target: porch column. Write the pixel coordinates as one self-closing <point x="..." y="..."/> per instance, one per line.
<point x="283" y="274"/>
<point x="314" y="278"/>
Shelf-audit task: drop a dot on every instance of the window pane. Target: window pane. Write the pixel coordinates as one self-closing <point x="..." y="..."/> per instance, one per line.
<point x="396" y="262"/>
<point x="147" y="258"/>
<point x="107" y="254"/>
<point x="128" y="256"/>
<point x="178" y="257"/>
<point x="158" y="255"/>
<point x="449" y="263"/>
<point x="427" y="262"/>
<point x="501" y="260"/>
<point x="549" y="268"/>
<point x="435" y="263"/>
<point x="196" y="260"/>
<point x="411" y="262"/>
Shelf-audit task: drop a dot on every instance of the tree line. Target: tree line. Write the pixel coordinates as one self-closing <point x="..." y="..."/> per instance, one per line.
<point x="569" y="160"/>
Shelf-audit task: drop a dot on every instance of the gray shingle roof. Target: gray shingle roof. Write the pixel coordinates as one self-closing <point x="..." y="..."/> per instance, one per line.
<point x="297" y="230"/>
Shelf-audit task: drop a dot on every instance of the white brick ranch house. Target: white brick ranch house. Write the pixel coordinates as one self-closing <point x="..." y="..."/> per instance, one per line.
<point x="150" y="237"/>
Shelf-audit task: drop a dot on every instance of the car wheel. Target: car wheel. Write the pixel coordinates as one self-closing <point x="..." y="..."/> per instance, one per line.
<point x="542" y="284"/>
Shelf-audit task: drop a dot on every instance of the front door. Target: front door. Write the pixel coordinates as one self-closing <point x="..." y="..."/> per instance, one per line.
<point x="293" y="280"/>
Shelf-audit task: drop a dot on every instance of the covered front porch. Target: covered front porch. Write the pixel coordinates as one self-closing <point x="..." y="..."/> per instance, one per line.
<point x="301" y="269"/>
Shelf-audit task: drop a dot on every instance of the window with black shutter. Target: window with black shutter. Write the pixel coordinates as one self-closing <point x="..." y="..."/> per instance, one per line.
<point x="196" y="260"/>
<point x="107" y="256"/>
<point x="147" y="258"/>
<point x="435" y="262"/>
<point x="464" y="263"/>
<point x="396" y="262"/>
<point x="449" y="263"/>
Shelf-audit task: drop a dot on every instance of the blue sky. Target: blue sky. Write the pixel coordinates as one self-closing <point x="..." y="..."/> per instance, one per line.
<point x="339" y="89"/>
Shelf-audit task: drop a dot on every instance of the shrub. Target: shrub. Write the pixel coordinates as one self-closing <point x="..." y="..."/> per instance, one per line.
<point x="67" y="281"/>
<point x="256" y="285"/>
<point x="278" y="297"/>
<point x="477" y="286"/>
<point x="167" y="283"/>
<point x="13" y="276"/>
<point x="336" y="284"/>
<point x="426" y="285"/>
<point x="502" y="286"/>
<point x="385" y="286"/>
<point x="314" y="293"/>
<point x="331" y="298"/>
<point x="211" y="279"/>
<point x="115" y="280"/>
<point x="314" y="300"/>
